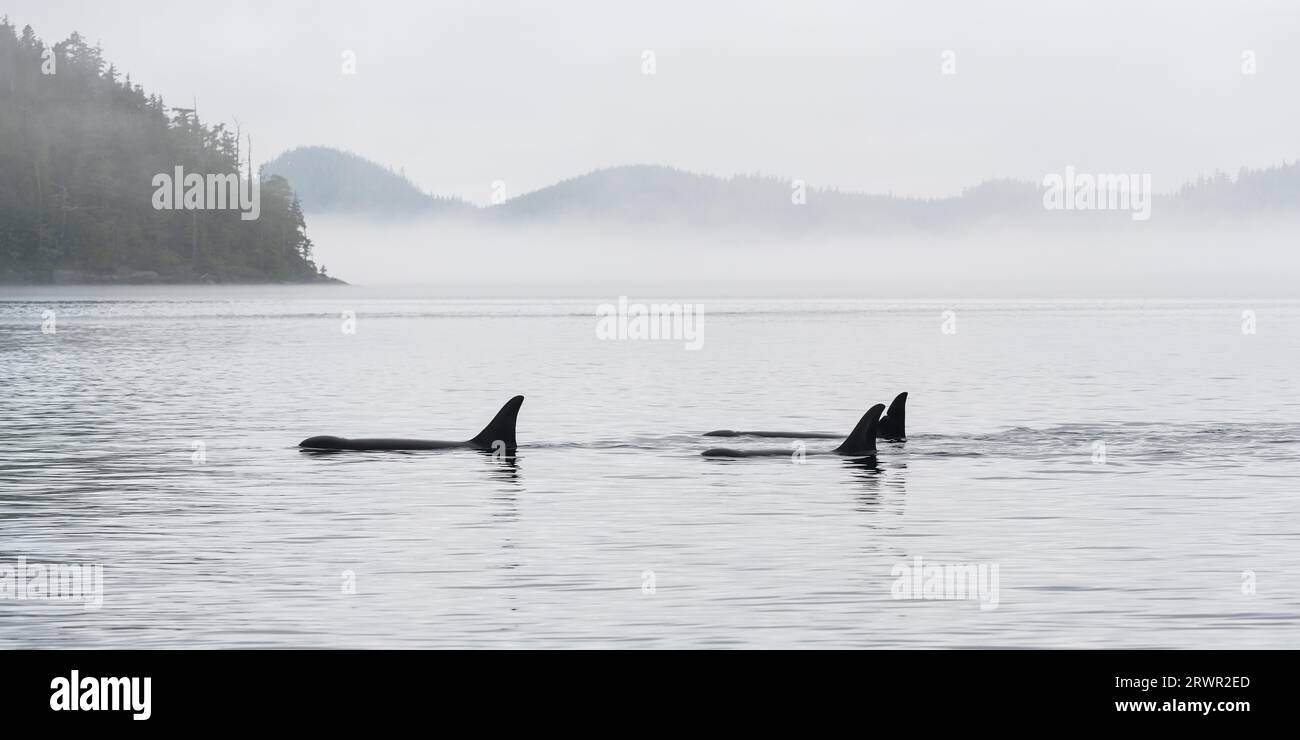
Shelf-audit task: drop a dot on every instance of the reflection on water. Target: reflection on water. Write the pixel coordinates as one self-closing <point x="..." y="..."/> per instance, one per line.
<point x="158" y="438"/>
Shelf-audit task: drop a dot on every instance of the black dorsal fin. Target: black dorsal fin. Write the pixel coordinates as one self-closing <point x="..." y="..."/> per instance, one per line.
<point x="862" y="441"/>
<point x="894" y="424"/>
<point x="501" y="428"/>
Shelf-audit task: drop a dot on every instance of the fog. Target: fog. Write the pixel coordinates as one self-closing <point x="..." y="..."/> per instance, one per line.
<point x="920" y="99"/>
<point x="1226" y="260"/>
<point x="838" y="93"/>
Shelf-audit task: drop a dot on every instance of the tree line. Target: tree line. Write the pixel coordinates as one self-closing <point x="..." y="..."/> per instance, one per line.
<point x="80" y="147"/>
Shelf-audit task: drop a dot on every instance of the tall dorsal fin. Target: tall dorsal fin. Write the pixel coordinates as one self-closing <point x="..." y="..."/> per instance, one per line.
<point x="501" y="428"/>
<point x="894" y="424"/>
<point x="862" y="440"/>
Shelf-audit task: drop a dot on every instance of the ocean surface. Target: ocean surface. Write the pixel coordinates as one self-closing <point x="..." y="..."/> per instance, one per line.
<point x="1130" y="469"/>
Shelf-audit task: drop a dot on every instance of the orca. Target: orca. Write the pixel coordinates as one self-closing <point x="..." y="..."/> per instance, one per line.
<point x="892" y="426"/>
<point x="894" y="423"/>
<point x="861" y="442"/>
<point x="499" y="433"/>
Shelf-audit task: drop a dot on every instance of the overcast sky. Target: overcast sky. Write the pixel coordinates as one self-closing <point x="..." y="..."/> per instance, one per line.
<point x="841" y="94"/>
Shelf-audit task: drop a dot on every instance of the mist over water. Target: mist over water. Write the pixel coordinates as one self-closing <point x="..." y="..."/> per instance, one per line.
<point x="438" y="257"/>
<point x="859" y="199"/>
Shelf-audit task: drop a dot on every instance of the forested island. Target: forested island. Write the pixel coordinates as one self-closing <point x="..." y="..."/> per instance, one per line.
<point x="84" y="156"/>
<point x="328" y="180"/>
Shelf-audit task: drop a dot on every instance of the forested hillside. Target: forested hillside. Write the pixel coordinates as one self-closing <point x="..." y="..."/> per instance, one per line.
<point x="333" y="181"/>
<point x="80" y="146"/>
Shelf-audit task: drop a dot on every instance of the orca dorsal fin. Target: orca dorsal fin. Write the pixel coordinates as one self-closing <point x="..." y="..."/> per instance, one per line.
<point x="862" y="440"/>
<point x="894" y="424"/>
<point x="501" y="428"/>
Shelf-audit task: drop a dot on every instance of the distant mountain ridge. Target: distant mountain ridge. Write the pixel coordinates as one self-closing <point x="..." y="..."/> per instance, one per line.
<point x="658" y="196"/>
<point x="330" y="180"/>
<point x="655" y="195"/>
<point x="645" y="195"/>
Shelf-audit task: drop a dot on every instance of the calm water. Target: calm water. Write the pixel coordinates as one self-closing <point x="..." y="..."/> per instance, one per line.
<point x="1159" y="544"/>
